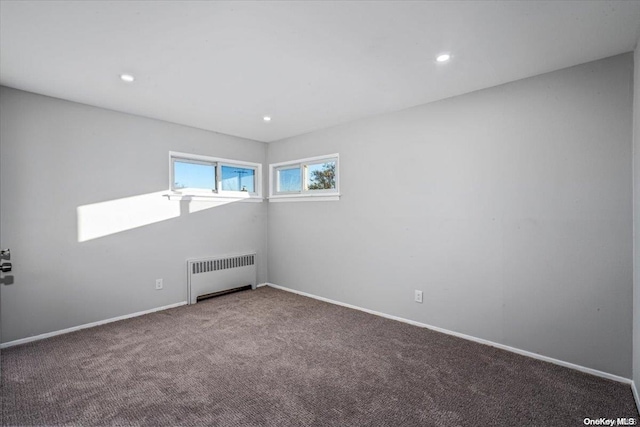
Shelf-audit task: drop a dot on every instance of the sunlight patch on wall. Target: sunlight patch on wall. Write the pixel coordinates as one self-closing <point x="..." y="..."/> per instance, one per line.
<point x="113" y="216"/>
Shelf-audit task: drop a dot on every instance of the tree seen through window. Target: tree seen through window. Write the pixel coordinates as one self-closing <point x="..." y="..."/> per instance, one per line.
<point x="322" y="176"/>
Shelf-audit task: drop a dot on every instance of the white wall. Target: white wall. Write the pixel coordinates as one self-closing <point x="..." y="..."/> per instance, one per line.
<point x="58" y="156"/>
<point x="511" y="208"/>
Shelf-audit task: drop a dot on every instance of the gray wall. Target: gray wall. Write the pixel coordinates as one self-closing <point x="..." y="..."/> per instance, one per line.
<point x="636" y="220"/>
<point x="57" y="156"/>
<point x="511" y="208"/>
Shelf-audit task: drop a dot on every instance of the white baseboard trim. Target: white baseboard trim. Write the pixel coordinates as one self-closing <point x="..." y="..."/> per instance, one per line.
<point x="88" y="325"/>
<point x="636" y="396"/>
<point x="259" y="285"/>
<point x="469" y="337"/>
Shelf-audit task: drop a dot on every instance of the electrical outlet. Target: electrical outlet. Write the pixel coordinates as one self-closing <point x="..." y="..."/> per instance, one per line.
<point x="158" y="284"/>
<point x="418" y="296"/>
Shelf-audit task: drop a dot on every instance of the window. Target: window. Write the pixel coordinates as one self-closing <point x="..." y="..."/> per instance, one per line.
<point x="313" y="177"/>
<point x="191" y="175"/>
<point x="203" y="176"/>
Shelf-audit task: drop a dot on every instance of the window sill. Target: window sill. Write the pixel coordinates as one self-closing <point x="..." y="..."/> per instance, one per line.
<point x="305" y="198"/>
<point x="213" y="198"/>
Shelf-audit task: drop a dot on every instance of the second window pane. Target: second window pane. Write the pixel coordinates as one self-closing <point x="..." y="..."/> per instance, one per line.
<point x="321" y="176"/>
<point x="238" y="179"/>
<point x="289" y="180"/>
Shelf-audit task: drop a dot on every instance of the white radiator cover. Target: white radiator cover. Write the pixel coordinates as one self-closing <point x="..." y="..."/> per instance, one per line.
<point x="220" y="273"/>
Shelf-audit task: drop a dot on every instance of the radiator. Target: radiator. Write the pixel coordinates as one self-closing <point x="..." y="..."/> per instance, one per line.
<point x="210" y="276"/>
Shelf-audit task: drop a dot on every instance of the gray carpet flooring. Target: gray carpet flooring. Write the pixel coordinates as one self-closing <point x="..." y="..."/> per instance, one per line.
<point x="272" y="358"/>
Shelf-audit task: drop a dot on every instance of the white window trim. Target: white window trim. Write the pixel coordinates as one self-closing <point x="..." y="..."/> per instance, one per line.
<point x="218" y="194"/>
<point x="304" y="195"/>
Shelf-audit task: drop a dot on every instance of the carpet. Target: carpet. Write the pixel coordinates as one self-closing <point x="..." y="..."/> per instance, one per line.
<point x="272" y="358"/>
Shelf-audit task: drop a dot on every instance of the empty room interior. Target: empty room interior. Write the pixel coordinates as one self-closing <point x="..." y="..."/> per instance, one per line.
<point x="318" y="213"/>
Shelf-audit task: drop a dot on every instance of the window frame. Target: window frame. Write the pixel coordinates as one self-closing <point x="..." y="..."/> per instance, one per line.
<point x="217" y="192"/>
<point x="304" y="194"/>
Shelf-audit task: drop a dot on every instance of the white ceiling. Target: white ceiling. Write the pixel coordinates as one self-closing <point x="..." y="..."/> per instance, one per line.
<point x="222" y="66"/>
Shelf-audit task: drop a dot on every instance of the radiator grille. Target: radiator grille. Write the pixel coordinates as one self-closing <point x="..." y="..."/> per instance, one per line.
<point x="222" y="264"/>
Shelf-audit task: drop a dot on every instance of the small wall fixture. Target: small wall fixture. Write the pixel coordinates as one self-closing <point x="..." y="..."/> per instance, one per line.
<point x="267" y="118"/>
<point x="127" y="78"/>
<point x="444" y="57"/>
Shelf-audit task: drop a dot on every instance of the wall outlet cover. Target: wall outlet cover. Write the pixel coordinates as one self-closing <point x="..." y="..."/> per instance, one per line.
<point x="418" y="296"/>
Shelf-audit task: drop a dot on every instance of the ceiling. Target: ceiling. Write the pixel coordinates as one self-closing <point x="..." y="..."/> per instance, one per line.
<point x="222" y="66"/>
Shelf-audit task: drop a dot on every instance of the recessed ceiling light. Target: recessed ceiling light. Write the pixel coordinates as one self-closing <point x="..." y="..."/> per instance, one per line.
<point x="267" y="118"/>
<point x="444" y="57"/>
<point x="127" y="78"/>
